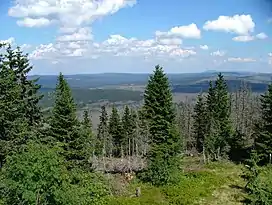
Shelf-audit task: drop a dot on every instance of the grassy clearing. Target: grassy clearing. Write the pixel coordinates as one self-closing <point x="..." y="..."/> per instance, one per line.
<point x="216" y="183"/>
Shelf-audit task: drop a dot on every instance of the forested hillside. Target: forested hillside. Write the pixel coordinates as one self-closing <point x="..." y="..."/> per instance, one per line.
<point x="216" y="150"/>
<point x="122" y="87"/>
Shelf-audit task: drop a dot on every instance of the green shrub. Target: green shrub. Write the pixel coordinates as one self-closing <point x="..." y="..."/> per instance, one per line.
<point x="259" y="186"/>
<point x="39" y="176"/>
<point x="83" y="188"/>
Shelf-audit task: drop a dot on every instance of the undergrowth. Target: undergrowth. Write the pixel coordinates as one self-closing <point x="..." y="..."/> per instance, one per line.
<point x="197" y="185"/>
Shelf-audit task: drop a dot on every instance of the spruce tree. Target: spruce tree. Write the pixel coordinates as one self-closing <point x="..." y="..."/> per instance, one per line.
<point x="11" y="118"/>
<point x="20" y="110"/>
<point x="18" y="62"/>
<point x="87" y="120"/>
<point x="115" y="132"/>
<point x="87" y="134"/>
<point x="127" y="130"/>
<point x="143" y="133"/>
<point x="258" y="182"/>
<point x="29" y="89"/>
<point x="159" y="111"/>
<point x="65" y="127"/>
<point x="63" y="119"/>
<point x="135" y="133"/>
<point x="222" y="112"/>
<point x="200" y="123"/>
<point x="209" y="142"/>
<point x="263" y="141"/>
<point x="219" y="130"/>
<point x="102" y="133"/>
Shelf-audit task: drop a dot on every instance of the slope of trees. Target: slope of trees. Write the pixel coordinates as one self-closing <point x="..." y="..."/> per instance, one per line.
<point x="48" y="167"/>
<point x="56" y="160"/>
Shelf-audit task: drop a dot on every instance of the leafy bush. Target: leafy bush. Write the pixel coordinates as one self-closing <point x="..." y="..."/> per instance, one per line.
<point x="38" y="176"/>
<point x="34" y="175"/>
<point x="259" y="185"/>
<point x="83" y="188"/>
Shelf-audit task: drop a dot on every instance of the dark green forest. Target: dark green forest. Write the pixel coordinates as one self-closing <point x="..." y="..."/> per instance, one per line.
<point x="85" y="96"/>
<point x="160" y="153"/>
<point x="115" y="87"/>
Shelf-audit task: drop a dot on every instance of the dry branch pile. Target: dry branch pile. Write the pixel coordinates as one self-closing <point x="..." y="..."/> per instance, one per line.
<point x="118" y="165"/>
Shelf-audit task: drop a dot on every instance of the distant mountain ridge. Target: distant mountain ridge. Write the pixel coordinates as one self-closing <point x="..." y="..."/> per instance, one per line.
<point x="114" y="79"/>
<point x="118" y="87"/>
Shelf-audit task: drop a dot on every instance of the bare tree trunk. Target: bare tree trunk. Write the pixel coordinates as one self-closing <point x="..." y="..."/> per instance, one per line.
<point x="204" y="154"/>
<point x="37" y="198"/>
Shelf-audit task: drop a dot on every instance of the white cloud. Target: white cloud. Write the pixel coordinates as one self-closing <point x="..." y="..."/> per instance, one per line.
<point x="182" y="53"/>
<point x="67" y="13"/>
<point x="67" y="29"/>
<point x="170" y="41"/>
<point x="82" y="34"/>
<point x="243" y="38"/>
<point x="32" y="22"/>
<point x="188" y="31"/>
<point x="239" y="24"/>
<point x="247" y="38"/>
<point x="115" y="45"/>
<point x="10" y="41"/>
<point x="261" y="36"/>
<point x="25" y="46"/>
<point x="78" y="52"/>
<point x="75" y="40"/>
<point x="238" y="59"/>
<point x="42" y="50"/>
<point x="218" y="53"/>
<point x="270" y="54"/>
<point x="204" y="47"/>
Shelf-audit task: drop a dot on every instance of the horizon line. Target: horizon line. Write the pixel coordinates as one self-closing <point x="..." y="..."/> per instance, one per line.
<point x="135" y="73"/>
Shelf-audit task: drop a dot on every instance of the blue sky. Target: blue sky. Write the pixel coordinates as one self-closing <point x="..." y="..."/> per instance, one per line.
<point x="95" y="36"/>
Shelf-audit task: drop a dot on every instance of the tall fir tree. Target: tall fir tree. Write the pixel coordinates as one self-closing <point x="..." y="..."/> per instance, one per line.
<point x="29" y="96"/>
<point x="87" y="119"/>
<point x="20" y="110"/>
<point x="135" y="141"/>
<point x="210" y="137"/>
<point x="87" y="134"/>
<point x="219" y="130"/>
<point x="127" y="131"/>
<point x="10" y="112"/>
<point x="159" y="111"/>
<point x="63" y="119"/>
<point x="115" y="131"/>
<point x="143" y="133"/>
<point x="65" y="127"/>
<point x="29" y="89"/>
<point x="102" y="133"/>
<point x="222" y="112"/>
<point x="263" y="141"/>
<point x="200" y="123"/>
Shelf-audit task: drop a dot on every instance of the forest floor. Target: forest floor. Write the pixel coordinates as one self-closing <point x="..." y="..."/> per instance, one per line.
<point x="212" y="184"/>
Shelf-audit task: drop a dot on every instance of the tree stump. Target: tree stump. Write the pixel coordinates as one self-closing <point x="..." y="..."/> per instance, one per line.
<point x="138" y="192"/>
